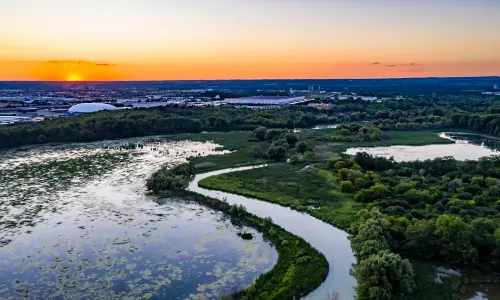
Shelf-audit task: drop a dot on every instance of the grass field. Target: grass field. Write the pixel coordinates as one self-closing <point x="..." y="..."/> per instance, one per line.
<point x="236" y="142"/>
<point x="301" y="187"/>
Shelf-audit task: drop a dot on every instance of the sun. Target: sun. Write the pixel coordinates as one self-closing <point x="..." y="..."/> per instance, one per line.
<point x="74" y="77"/>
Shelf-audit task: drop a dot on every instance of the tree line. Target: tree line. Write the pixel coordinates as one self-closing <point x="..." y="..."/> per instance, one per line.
<point x="157" y="121"/>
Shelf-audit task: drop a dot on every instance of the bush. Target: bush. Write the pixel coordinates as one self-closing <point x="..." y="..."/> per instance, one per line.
<point x="273" y="134"/>
<point x="302" y="146"/>
<point x="257" y="151"/>
<point x="291" y="139"/>
<point x="346" y="187"/>
<point x="277" y="153"/>
<point x="294" y="159"/>
<point x="259" y="133"/>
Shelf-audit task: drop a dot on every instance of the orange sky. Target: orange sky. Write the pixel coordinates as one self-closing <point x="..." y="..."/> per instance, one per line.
<point x="231" y="39"/>
<point x="84" y="70"/>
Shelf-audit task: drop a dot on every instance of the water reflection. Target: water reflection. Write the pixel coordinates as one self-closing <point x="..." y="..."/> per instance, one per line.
<point x="75" y="223"/>
<point x="482" y="291"/>
<point x="466" y="147"/>
<point x="331" y="241"/>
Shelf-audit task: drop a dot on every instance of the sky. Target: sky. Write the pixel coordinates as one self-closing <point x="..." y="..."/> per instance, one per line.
<point x="247" y="39"/>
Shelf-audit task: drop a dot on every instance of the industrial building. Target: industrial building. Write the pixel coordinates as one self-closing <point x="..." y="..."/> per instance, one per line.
<point x="266" y="100"/>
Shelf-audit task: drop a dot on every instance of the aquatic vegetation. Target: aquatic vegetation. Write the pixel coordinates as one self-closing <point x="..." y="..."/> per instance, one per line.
<point x="76" y="222"/>
<point x="300" y="267"/>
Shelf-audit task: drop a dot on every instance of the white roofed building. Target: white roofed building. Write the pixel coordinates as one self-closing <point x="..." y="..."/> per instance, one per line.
<point x="85" y="108"/>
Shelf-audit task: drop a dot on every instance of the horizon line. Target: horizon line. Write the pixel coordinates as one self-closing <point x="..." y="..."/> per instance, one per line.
<point x="254" y="79"/>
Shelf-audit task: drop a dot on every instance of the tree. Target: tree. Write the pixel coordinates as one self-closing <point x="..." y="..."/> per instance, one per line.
<point x="384" y="276"/>
<point x="302" y="147"/>
<point x="260" y="133"/>
<point x="257" y="151"/>
<point x="277" y="153"/>
<point x="455" y="238"/>
<point x="352" y="175"/>
<point x="291" y="139"/>
<point x="346" y="187"/>
<point x="421" y="238"/>
<point x="294" y="159"/>
<point x="415" y="196"/>
<point x="376" y="192"/>
<point x="371" y="231"/>
<point x="273" y="134"/>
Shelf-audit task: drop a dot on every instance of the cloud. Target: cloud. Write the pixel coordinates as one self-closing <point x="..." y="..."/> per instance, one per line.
<point x="74" y="63"/>
<point x="404" y="65"/>
<point x="105" y="65"/>
<point x="375" y="63"/>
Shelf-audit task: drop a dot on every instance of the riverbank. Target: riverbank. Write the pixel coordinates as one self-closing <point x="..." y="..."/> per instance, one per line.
<point x="300" y="268"/>
<point x="239" y="144"/>
<point x="303" y="188"/>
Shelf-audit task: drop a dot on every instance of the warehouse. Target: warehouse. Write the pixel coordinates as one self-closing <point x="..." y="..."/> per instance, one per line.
<point x="266" y="100"/>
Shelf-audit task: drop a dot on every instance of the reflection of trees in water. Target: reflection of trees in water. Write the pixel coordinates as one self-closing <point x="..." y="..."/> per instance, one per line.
<point x="476" y="140"/>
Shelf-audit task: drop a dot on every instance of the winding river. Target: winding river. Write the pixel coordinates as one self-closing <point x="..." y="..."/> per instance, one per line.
<point x="330" y="241"/>
<point x="75" y="221"/>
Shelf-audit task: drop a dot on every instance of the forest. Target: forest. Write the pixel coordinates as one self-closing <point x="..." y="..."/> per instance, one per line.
<point x="441" y="210"/>
<point x="158" y="121"/>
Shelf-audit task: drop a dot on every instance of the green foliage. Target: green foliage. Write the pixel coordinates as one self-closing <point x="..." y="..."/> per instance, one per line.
<point x="260" y="133"/>
<point x="300" y="268"/>
<point x="376" y="192"/>
<point x="414" y="196"/>
<point x="273" y="134"/>
<point x="346" y="187"/>
<point x="380" y="273"/>
<point x="156" y="121"/>
<point x="302" y="147"/>
<point x="356" y="133"/>
<point x="277" y="153"/>
<point x="291" y="139"/>
<point x="384" y="276"/>
<point x="371" y="233"/>
<point x="171" y="179"/>
<point x="294" y="159"/>
<point x="293" y="186"/>
<point x="455" y="237"/>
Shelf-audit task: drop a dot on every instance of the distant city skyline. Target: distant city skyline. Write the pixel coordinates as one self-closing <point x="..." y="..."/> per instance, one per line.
<point x="235" y="39"/>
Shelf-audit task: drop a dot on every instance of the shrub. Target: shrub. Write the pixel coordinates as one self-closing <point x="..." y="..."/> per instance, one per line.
<point x="259" y="133"/>
<point x="302" y="147"/>
<point x="346" y="187"/>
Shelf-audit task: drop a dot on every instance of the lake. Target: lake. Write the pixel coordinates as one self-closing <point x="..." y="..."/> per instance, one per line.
<point x="76" y="222"/>
<point x="466" y="147"/>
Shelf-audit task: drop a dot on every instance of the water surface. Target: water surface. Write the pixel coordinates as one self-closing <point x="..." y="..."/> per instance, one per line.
<point x="330" y="241"/>
<point x="75" y="222"/>
<point x="466" y="147"/>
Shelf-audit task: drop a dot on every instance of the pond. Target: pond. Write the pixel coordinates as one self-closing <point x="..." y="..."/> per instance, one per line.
<point x="75" y="222"/>
<point x="466" y="147"/>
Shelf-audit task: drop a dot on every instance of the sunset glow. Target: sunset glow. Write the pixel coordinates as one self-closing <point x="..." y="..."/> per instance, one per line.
<point x="226" y="39"/>
<point x="74" y="77"/>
